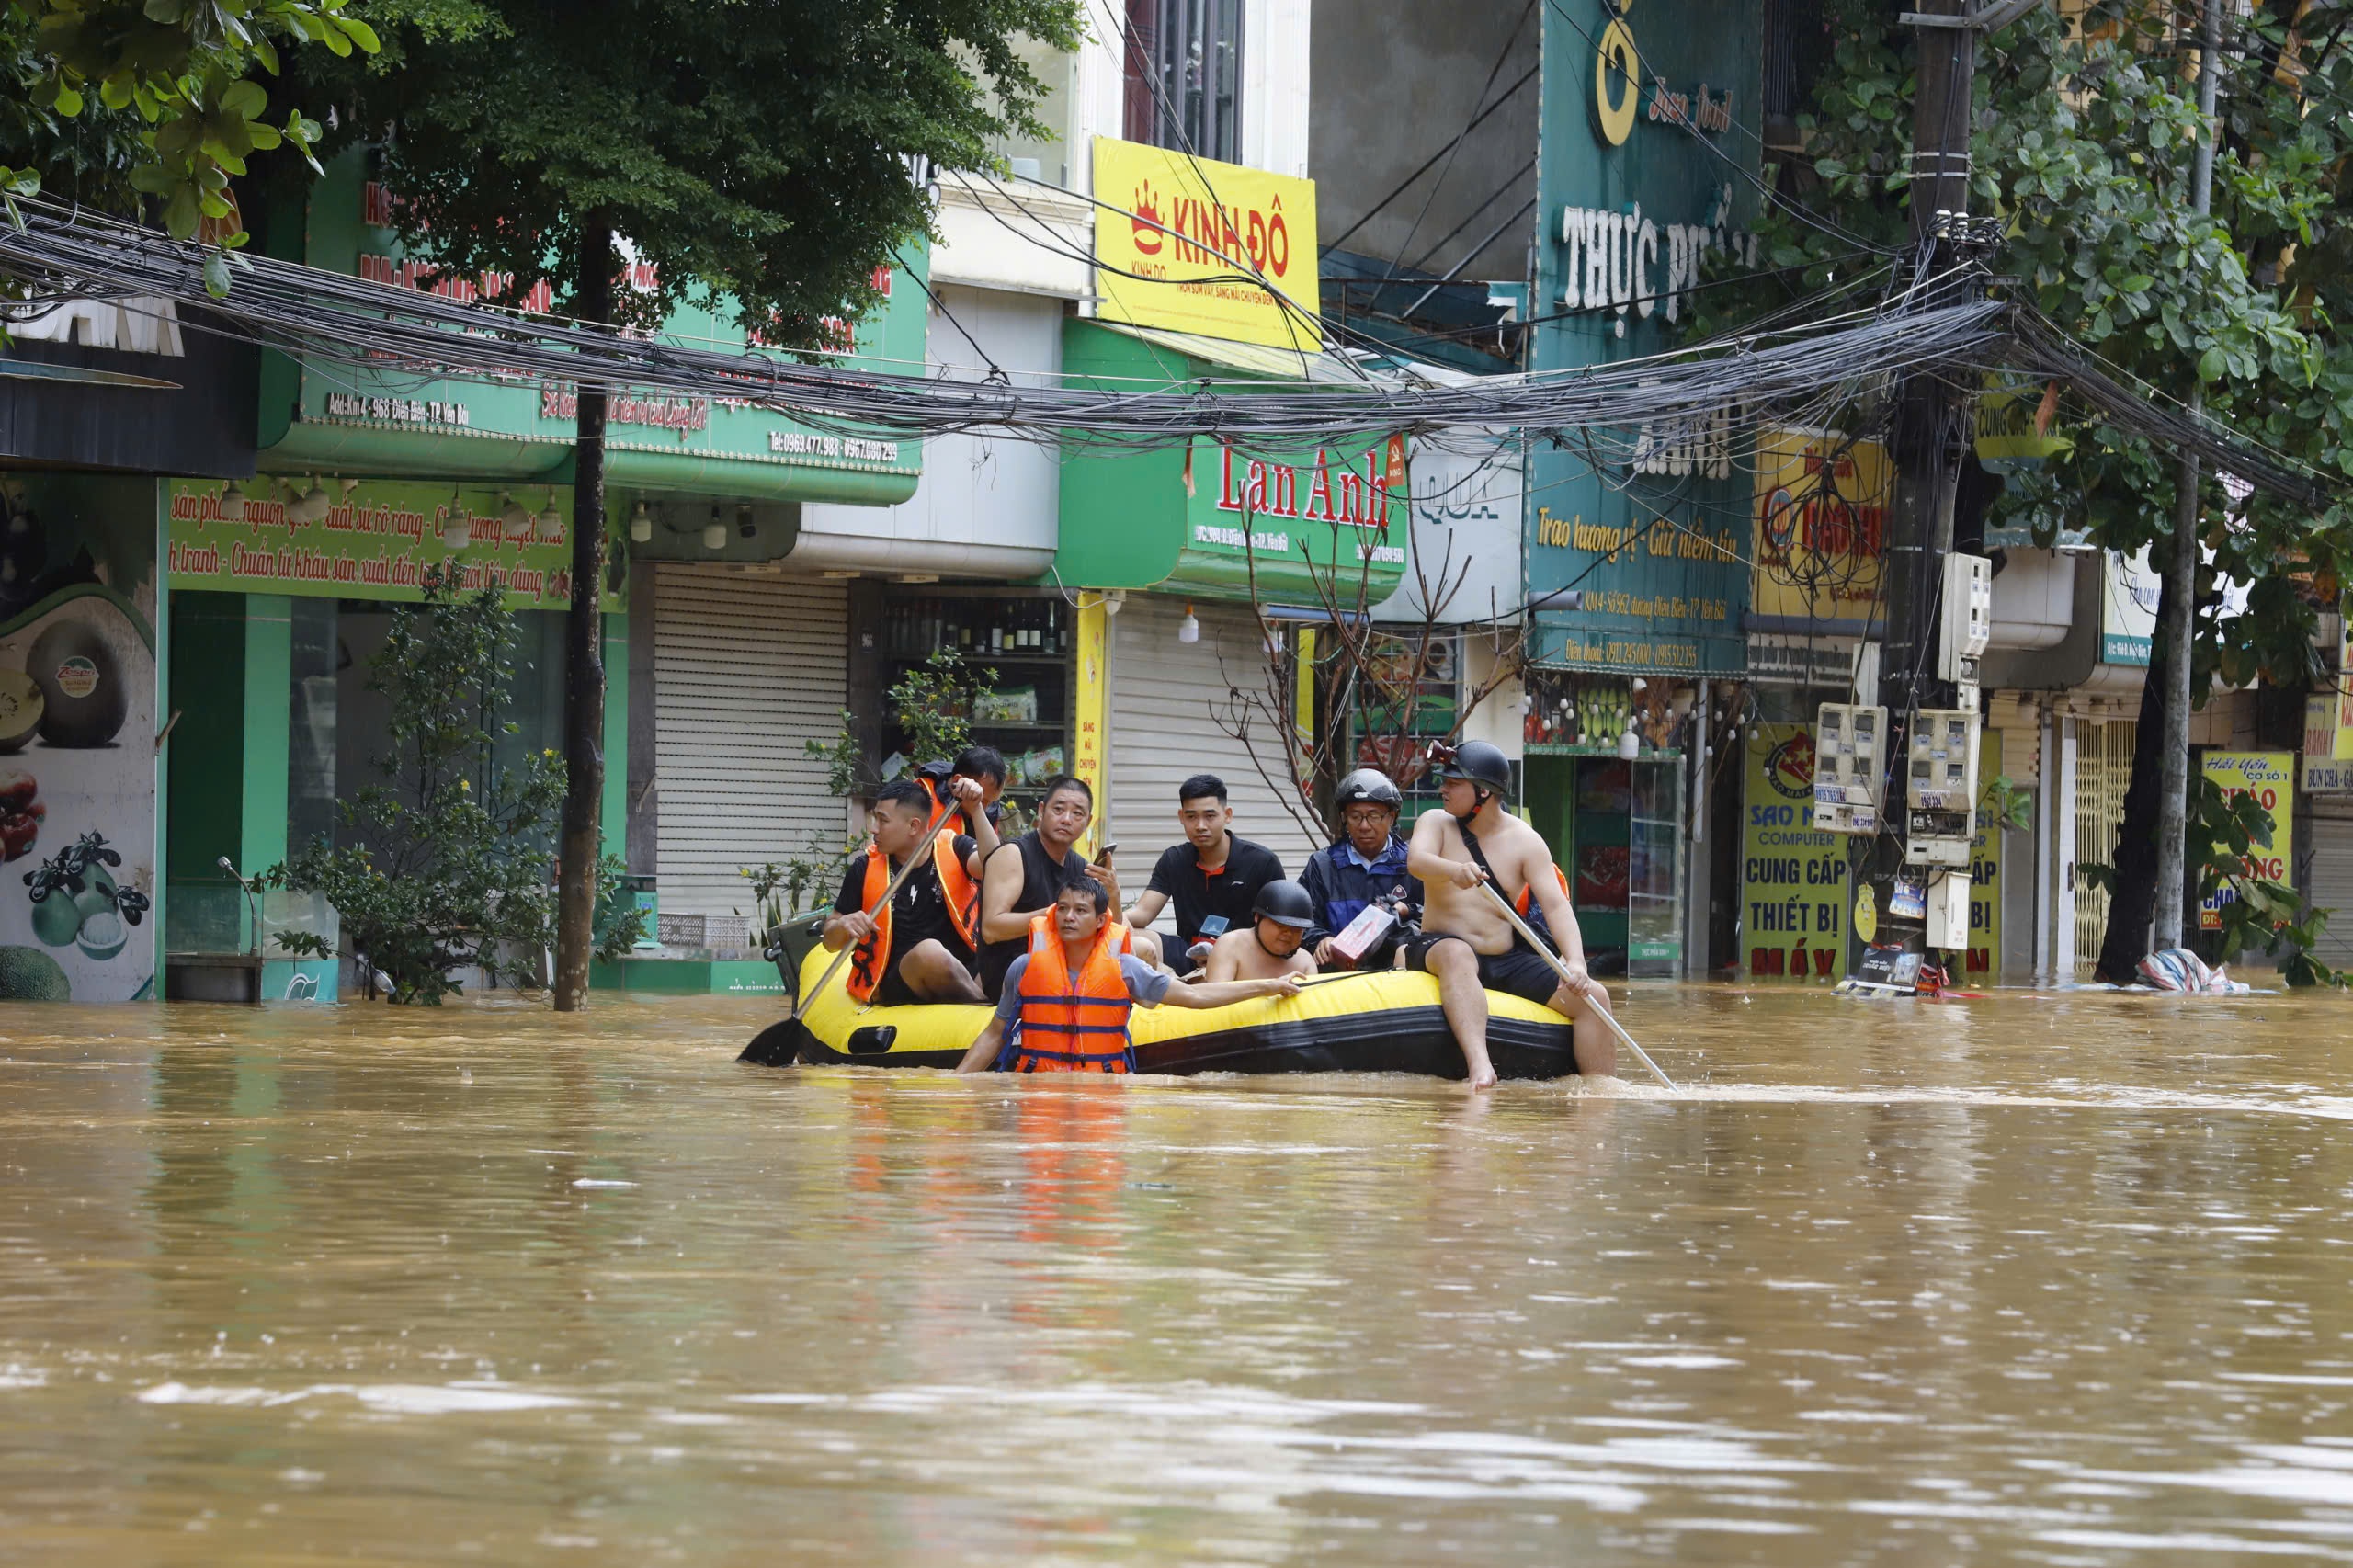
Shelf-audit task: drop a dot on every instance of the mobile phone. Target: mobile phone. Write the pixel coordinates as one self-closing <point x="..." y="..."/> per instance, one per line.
<point x="1103" y="856"/>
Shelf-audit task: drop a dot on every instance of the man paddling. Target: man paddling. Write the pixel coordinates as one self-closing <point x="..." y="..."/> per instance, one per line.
<point x="1467" y="943"/>
<point x="1021" y="880"/>
<point x="1271" y="945"/>
<point x="1068" y="998"/>
<point x="921" y="946"/>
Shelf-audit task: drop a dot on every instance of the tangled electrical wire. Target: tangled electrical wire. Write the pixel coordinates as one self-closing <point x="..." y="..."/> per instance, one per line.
<point x="1782" y="373"/>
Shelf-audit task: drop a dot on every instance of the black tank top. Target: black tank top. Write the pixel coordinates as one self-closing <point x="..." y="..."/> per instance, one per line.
<point x="1043" y="880"/>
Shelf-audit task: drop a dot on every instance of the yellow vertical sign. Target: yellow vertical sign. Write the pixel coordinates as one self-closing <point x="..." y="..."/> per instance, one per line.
<point x="1089" y="709"/>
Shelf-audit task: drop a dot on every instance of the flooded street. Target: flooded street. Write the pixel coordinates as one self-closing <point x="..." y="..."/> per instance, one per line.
<point x="2035" y="1280"/>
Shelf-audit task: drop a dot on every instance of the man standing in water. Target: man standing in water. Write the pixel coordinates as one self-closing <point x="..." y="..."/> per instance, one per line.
<point x="1465" y="940"/>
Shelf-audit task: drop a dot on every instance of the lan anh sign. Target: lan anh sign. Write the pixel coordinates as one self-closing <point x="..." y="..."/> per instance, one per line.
<point x="1195" y="246"/>
<point x="372" y="541"/>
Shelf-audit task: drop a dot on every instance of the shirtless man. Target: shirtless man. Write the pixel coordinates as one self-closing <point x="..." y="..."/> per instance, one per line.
<point x="1272" y="946"/>
<point x="1465" y="940"/>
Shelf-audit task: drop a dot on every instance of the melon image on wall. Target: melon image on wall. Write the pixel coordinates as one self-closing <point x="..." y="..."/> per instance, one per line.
<point x="77" y="723"/>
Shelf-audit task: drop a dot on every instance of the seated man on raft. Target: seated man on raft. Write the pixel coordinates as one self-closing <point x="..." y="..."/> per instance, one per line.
<point x="922" y="946"/>
<point x="970" y="785"/>
<point x="1067" y="1000"/>
<point x="1465" y="940"/>
<point x="1365" y="867"/>
<point x="1273" y="943"/>
<point x="1019" y="880"/>
<point x="1213" y="876"/>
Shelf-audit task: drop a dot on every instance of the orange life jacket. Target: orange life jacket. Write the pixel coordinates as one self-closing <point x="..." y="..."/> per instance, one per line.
<point x="1073" y="1023"/>
<point x="872" y="961"/>
<point x="1527" y="895"/>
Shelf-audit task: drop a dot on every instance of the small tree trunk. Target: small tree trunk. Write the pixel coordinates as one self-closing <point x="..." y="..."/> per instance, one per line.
<point x="584" y="723"/>
<point x="2133" y="905"/>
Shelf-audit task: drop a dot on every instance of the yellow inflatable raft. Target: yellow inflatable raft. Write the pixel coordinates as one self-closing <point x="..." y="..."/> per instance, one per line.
<point x="1386" y="1022"/>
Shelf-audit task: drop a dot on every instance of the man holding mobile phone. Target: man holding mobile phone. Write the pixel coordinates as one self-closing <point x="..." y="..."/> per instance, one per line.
<point x="1213" y="876"/>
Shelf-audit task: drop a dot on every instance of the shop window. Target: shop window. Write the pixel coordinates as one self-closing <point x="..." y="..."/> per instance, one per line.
<point x="1183" y="75"/>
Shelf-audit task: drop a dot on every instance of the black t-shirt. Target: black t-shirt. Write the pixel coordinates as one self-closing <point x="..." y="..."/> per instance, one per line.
<point x="1043" y="880"/>
<point x="1202" y="899"/>
<point x="918" y="914"/>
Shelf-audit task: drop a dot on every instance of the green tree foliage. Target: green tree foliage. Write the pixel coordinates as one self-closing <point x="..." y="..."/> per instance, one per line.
<point x="449" y="860"/>
<point x="113" y="99"/>
<point x="750" y="150"/>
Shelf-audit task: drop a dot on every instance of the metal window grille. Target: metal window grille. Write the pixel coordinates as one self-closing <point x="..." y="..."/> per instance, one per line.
<point x="1182" y="72"/>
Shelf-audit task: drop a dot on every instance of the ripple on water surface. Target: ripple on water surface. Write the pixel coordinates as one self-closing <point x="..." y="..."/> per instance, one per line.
<point x="2053" y="1279"/>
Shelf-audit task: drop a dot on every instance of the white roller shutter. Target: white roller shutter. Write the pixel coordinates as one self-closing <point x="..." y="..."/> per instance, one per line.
<point x="2330" y="879"/>
<point x="1163" y="731"/>
<point x="747" y="668"/>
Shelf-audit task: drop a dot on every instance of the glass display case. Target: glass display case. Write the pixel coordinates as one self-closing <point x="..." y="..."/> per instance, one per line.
<point x="1615" y="826"/>
<point x="1027" y="638"/>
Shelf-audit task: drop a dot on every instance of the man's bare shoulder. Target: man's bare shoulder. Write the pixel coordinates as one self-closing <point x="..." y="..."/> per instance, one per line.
<point x="1436" y="820"/>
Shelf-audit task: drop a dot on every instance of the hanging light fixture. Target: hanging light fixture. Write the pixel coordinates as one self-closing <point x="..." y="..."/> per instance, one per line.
<point x="550" y="521"/>
<point x="511" y="519"/>
<point x="311" y="506"/>
<point x="1189" y="628"/>
<point x="641" y="525"/>
<point x="714" y="532"/>
<point x="234" y="502"/>
<point x="746" y="527"/>
<point x="1629" y="744"/>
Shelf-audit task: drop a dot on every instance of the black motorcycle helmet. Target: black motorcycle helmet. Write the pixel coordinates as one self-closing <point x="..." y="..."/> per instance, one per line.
<point x="1367" y="784"/>
<point x="1479" y="762"/>
<point x="1285" y="903"/>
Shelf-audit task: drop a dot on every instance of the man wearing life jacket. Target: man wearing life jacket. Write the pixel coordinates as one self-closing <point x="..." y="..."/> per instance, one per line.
<point x="1365" y="868"/>
<point x="922" y="946"/>
<point x="973" y="783"/>
<point x="1270" y="945"/>
<point x="1019" y="882"/>
<point x="1067" y="1000"/>
<point x="1465" y="940"/>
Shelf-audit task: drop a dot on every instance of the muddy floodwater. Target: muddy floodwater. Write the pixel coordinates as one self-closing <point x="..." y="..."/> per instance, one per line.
<point x="2050" y="1279"/>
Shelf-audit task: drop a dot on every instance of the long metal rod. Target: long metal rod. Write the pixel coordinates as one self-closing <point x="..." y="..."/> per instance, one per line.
<point x="1553" y="959"/>
<point x="922" y="857"/>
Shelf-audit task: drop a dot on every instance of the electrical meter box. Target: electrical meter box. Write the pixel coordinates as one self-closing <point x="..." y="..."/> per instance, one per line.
<point x="1850" y="762"/>
<point x="1946" y="911"/>
<point x="1940" y="787"/>
<point x="1968" y="616"/>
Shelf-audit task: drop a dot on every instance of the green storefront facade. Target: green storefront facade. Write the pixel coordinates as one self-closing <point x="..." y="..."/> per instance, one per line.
<point x="1647" y="182"/>
<point x="279" y="590"/>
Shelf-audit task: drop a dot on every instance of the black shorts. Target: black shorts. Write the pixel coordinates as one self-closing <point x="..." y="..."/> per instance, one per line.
<point x="1522" y="971"/>
<point x="892" y="990"/>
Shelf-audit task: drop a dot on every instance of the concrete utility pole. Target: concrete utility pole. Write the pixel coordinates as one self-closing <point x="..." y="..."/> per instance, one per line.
<point x="1927" y="437"/>
<point x="2181" y="572"/>
<point x="1928" y="422"/>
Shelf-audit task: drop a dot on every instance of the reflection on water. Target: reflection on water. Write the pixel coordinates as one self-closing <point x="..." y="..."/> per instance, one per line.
<point x="2042" y="1280"/>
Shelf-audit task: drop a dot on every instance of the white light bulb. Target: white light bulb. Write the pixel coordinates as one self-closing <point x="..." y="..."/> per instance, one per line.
<point x="714" y="536"/>
<point x="1189" y="628"/>
<point x="1629" y="746"/>
<point x="641" y="525"/>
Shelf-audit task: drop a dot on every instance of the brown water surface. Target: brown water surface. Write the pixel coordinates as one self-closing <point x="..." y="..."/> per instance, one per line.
<point x="2050" y="1279"/>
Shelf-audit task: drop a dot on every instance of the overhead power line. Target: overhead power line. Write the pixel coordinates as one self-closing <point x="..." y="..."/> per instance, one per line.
<point x="329" y="317"/>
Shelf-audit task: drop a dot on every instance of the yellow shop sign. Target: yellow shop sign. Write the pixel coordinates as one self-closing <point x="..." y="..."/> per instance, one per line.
<point x="1195" y="246"/>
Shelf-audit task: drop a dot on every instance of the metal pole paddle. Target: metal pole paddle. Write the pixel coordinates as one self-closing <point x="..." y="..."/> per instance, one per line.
<point x="922" y="857"/>
<point x="1553" y="959"/>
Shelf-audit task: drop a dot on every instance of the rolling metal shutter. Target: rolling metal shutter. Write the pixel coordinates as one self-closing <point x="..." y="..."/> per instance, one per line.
<point x="747" y="668"/>
<point x="2327" y="880"/>
<point x="1163" y="733"/>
